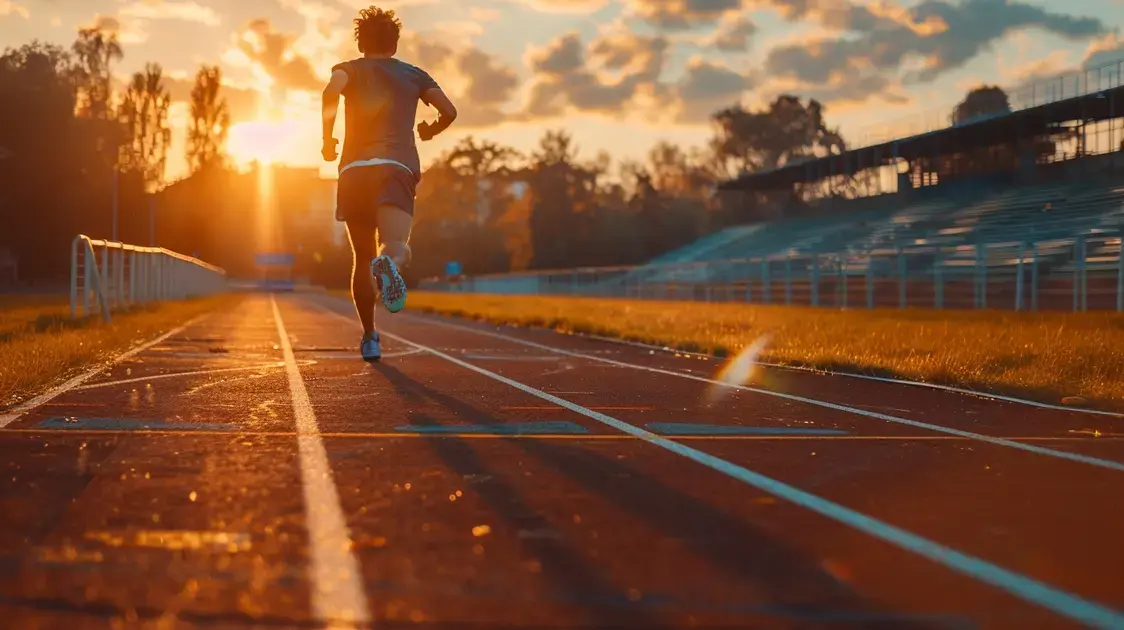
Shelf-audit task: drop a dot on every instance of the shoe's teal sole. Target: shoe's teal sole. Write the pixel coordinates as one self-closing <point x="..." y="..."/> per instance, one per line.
<point x="383" y="271"/>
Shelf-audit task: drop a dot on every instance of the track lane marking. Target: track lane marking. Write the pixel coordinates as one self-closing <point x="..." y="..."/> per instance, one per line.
<point x="19" y="410"/>
<point x="155" y="377"/>
<point x="592" y="436"/>
<point x="1023" y="587"/>
<point x="1075" y="457"/>
<point x="824" y="371"/>
<point x="337" y="585"/>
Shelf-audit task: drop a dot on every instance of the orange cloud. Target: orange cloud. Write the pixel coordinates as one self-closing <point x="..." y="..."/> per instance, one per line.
<point x="184" y="10"/>
<point x="128" y="31"/>
<point x="9" y="7"/>
<point x="566" y="6"/>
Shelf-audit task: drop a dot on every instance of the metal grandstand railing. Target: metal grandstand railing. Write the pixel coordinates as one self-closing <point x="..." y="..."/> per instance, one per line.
<point x="1079" y="274"/>
<point x="1037" y="92"/>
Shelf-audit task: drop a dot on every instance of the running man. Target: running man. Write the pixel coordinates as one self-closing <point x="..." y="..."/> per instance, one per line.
<point x="379" y="168"/>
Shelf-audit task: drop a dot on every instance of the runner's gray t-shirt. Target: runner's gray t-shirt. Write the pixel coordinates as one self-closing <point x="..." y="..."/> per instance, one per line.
<point x="380" y="108"/>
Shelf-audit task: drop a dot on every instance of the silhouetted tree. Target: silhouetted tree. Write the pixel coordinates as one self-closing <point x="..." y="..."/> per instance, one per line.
<point x="563" y="197"/>
<point x="210" y="121"/>
<point x="96" y="51"/>
<point x="464" y="195"/>
<point x="785" y="132"/>
<point x="51" y="171"/>
<point x="985" y="100"/>
<point x="144" y="114"/>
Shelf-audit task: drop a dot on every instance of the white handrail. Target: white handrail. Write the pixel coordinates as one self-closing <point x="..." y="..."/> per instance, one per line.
<point x="131" y="274"/>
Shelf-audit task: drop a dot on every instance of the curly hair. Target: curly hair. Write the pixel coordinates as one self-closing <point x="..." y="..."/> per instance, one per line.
<point x="377" y="30"/>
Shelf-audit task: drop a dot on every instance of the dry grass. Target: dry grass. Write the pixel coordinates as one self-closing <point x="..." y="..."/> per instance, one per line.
<point x="41" y="346"/>
<point x="1043" y="356"/>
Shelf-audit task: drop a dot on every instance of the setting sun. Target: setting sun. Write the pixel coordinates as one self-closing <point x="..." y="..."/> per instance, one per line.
<point x="265" y="142"/>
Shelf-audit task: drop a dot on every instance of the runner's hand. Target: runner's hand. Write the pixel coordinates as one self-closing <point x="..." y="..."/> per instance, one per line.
<point x="425" y="131"/>
<point x="329" y="149"/>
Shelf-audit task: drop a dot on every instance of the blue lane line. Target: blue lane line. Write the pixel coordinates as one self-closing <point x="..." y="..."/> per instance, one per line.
<point x="505" y="428"/>
<point x="128" y="424"/>
<point x="1028" y="589"/>
<point x="688" y="428"/>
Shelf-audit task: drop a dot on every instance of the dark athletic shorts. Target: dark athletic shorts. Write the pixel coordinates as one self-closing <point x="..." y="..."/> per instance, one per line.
<point x="362" y="189"/>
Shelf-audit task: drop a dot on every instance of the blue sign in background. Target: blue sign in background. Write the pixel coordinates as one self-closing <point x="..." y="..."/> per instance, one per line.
<point x="274" y="260"/>
<point x="452" y="268"/>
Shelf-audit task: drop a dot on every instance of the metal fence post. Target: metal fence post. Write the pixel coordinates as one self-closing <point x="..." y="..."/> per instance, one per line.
<point x="1019" y="281"/>
<point x="749" y="282"/>
<point x="984" y="273"/>
<point x="104" y="271"/>
<point x="815" y="280"/>
<point x="938" y="280"/>
<point x="766" y="286"/>
<point x="1084" y="275"/>
<point x="120" y="276"/>
<point x="788" y="280"/>
<point x="870" y="281"/>
<point x="1034" y="277"/>
<point x="901" y="278"/>
<point x="132" y="260"/>
<point x="1078" y="259"/>
<point x="1120" y="277"/>
<point x="981" y="277"/>
<point x="88" y="256"/>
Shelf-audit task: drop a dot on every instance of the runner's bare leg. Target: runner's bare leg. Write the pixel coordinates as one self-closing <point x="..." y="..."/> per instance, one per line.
<point x="394" y="234"/>
<point x="362" y="292"/>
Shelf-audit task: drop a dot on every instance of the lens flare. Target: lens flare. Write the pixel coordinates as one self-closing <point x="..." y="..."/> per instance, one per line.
<point x="739" y="370"/>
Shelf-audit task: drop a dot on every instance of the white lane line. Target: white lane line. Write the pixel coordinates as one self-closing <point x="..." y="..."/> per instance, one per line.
<point x="814" y="370"/>
<point x="16" y="412"/>
<point x="155" y="377"/>
<point x="1084" y="459"/>
<point x="337" y="584"/>
<point x="1028" y="589"/>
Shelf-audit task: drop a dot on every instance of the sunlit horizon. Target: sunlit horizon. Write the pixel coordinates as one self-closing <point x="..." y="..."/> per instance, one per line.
<point x="520" y="68"/>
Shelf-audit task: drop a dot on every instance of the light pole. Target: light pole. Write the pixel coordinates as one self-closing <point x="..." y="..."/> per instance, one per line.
<point x="115" y="165"/>
<point x="115" y="195"/>
<point x="152" y="219"/>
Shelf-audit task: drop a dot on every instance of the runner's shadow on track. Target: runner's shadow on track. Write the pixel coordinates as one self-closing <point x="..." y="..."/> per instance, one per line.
<point x="795" y="588"/>
<point x="580" y="584"/>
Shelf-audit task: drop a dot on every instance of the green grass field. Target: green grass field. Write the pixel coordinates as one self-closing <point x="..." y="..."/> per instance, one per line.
<point x="41" y="345"/>
<point x="1046" y="357"/>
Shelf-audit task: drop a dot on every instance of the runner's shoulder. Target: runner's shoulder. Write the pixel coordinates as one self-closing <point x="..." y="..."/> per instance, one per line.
<point x="412" y="70"/>
<point x="344" y="65"/>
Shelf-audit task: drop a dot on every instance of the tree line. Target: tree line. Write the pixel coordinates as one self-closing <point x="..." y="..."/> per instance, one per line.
<point x="71" y="142"/>
<point x="74" y="143"/>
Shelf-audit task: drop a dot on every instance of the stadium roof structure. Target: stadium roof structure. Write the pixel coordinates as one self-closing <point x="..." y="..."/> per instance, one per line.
<point x="1025" y="123"/>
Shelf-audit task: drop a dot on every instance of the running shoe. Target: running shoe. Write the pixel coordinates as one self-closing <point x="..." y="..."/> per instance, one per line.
<point x="391" y="286"/>
<point x="370" y="349"/>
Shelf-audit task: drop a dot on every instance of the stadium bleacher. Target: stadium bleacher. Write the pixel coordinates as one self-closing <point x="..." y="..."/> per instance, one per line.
<point x="980" y="216"/>
<point x="982" y="224"/>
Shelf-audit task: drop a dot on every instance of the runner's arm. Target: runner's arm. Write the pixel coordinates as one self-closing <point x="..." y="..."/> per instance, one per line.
<point x="447" y="113"/>
<point x="329" y="110"/>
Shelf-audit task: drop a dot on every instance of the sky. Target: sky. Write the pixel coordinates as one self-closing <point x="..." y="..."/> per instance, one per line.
<point x="619" y="75"/>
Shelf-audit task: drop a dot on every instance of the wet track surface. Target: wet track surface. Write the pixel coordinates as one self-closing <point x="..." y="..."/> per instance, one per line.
<point x="250" y="471"/>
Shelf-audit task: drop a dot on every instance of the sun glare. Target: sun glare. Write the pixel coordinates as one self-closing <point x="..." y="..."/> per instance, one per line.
<point x="264" y="142"/>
